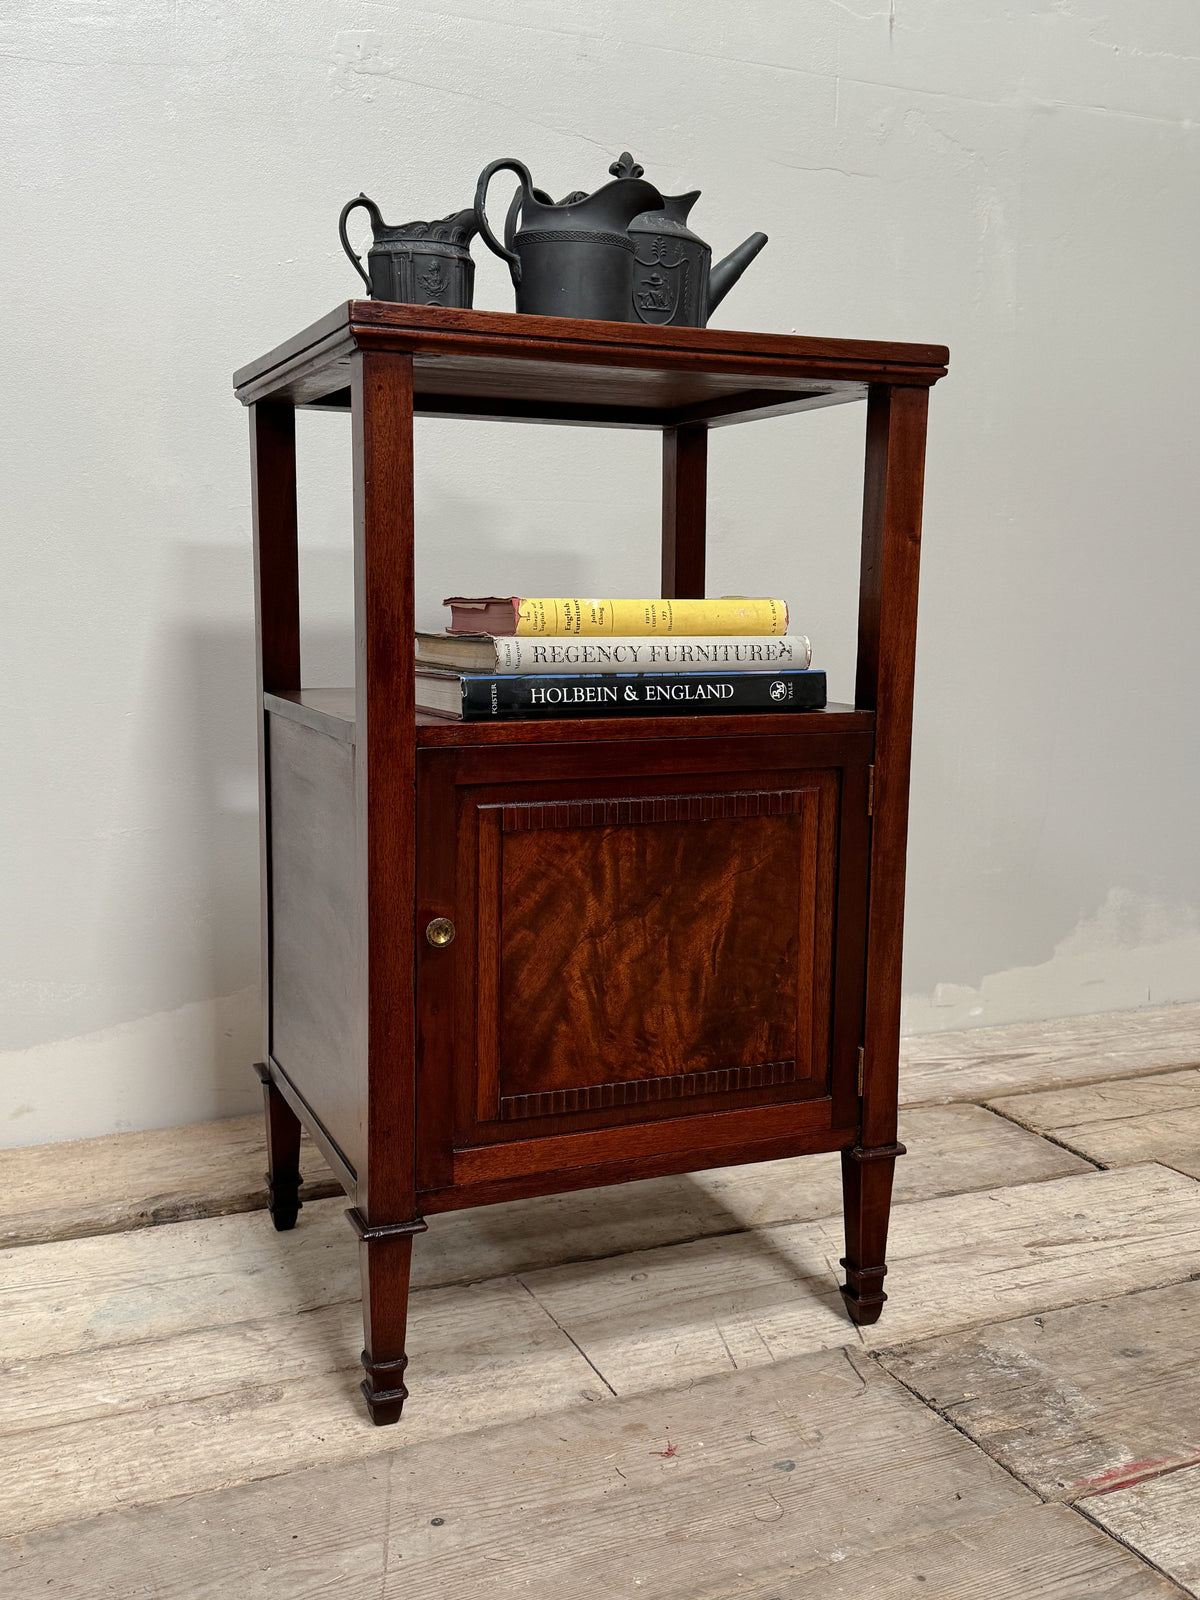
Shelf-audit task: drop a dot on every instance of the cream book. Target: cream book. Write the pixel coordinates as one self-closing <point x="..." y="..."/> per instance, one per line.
<point x="507" y="616"/>
<point x="485" y="652"/>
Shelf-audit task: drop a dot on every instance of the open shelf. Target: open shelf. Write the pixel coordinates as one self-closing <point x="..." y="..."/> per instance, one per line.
<point x="331" y="711"/>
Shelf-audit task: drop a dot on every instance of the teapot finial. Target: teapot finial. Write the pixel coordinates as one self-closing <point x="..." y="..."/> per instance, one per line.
<point x="626" y="167"/>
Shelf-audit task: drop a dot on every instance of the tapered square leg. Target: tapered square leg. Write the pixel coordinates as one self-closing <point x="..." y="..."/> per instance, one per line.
<point x="867" y="1200"/>
<point x="283" y="1155"/>
<point x="384" y="1257"/>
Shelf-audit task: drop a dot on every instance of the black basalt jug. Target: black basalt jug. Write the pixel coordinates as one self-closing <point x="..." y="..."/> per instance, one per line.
<point x="418" y="263"/>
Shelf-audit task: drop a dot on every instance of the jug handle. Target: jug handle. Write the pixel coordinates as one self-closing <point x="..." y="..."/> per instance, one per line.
<point x="376" y="222"/>
<point x="505" y="164"/>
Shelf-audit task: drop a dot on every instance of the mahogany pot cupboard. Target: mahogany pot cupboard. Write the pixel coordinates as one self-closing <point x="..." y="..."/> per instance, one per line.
<point x="517" y="958"/>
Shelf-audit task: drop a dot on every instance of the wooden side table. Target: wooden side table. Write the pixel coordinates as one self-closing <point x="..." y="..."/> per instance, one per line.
<point x="506" y="959"/>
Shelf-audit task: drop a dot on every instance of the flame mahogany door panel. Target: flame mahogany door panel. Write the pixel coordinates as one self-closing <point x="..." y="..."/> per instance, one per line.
<point x="636" y="947"/>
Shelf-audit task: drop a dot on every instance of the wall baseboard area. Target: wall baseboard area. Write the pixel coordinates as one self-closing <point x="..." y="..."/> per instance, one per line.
<point x="190" y="1064"/>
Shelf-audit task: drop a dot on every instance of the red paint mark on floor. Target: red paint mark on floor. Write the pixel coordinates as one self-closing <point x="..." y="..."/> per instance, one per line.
<point x="667" y="1453"/>
<point x="1133" y="1472"/>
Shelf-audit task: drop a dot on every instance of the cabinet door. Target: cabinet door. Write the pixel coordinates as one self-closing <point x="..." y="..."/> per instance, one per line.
<point x="630" y="949"/>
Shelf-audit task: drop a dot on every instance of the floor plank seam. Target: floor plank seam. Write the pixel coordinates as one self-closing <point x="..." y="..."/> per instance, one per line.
<point x="545" y="1308"/>
<point x="1165" y="1161"/>
<point x="627" y="1250"/>
<point x="946" y="1098"/>
<point x="14" y="1243"/>
<point x="154" y="1211"/>
<point x="469" y="1280"/>
<point x="881" y="1352"/>
<point x="877" y="1356"/>
<point x="190" y="1331"/>
<point x="880" y="1357"/>
<point x="833" y="1219"/>
<point x="1040" y="1133"/>
<point x="1078" y="1507"/>
<point x="340" y="1458"/>
<point x="850" y="1362"/>
<point x="855" y="1337"/>
<point x="1111" y="1111"/>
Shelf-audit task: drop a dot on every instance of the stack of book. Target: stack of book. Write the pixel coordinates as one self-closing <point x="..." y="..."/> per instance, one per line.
<point x="518" y="658"/>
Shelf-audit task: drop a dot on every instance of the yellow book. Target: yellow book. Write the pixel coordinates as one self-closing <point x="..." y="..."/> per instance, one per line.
<point x="583" y="618"/>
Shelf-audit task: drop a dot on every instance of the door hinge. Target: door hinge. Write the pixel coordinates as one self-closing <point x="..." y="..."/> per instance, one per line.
<point x="861" y="1060"/>
<point x="871" y="791"/>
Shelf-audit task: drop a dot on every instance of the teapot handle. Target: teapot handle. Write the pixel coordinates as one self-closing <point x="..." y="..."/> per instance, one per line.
<point x="514" y="211"/>
<point x="505" y="164"/>
<point x="376" y="222"/>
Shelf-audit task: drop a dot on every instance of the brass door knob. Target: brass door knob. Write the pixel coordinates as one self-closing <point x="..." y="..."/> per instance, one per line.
<point x="440" y="932"/>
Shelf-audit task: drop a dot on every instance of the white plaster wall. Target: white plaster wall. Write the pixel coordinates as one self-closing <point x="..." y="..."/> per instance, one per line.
<point x="1017" y="180"/>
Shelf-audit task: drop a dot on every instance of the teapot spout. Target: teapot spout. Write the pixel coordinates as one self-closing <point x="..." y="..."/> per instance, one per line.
<point x="726" y="273"/>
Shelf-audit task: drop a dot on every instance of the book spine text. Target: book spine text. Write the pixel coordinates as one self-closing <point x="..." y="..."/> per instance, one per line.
<point x="584" y="618"/>
<point x="643" y="694"/>
<point x="634" y="653"/>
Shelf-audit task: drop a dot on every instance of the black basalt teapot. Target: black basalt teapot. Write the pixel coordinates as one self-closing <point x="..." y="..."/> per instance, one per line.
<point x="622" y="254"/>
<point x="674" y="280"/>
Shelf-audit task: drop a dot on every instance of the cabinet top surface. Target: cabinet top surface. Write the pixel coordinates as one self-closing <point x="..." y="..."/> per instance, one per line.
<point x="333" y="712"/>
<point x="491" y="363"/>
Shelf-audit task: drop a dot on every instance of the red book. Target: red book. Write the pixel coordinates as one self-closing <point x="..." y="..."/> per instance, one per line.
<point x="489" y="613"/>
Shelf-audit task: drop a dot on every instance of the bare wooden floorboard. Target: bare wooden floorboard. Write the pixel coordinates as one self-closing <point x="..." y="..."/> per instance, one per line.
<point x="82" y="1294"/>
<point x="1040" y="1553"/>
<point x="809" y="1481"/>
<point x="981" y="1063"/>
<point x="1076" y="1402"/>
<point x="139" y="1423"/>
<point x="130" y="1180"/>
<point x="1153" y="1118"/>
<point x="192" y="1359"/>
<point x="666" y="1316"/>
<point x="1160" y="1519"/>
<point x="167" y="1381"/>
<point x="700" y="1493"/>
<point x="68" y="1191"/>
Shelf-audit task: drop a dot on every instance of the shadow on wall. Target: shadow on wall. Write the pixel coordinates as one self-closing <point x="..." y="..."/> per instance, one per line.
<point x="176" y="918"/>
<point x="154" y="1016"/>
<point x="177" y="921"/>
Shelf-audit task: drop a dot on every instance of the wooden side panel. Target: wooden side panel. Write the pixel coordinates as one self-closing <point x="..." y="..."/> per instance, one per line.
<point x="277" y="621"/>
<point x="316" y="1025"/>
